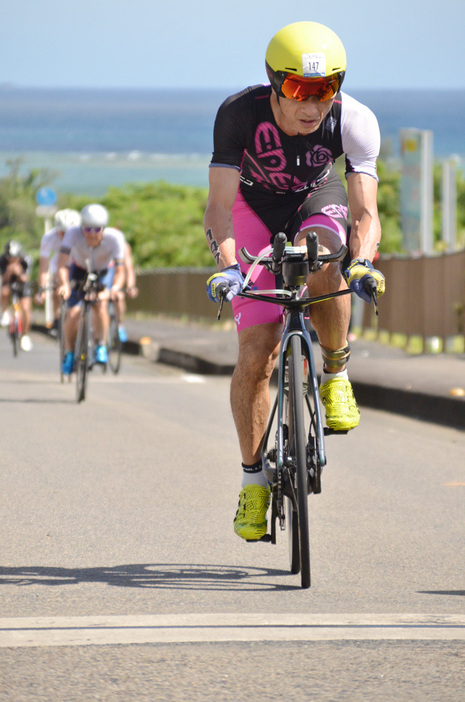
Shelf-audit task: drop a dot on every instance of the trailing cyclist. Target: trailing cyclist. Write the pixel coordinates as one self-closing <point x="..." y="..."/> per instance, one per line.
<point x="14" y="268"/>
<point x="271" y="171"/>
<point x="130" y="289"/>
<point x="93" y="246"/>
<point x="48" y="263"/>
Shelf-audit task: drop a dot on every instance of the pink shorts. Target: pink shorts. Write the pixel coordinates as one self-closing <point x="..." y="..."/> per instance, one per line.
<point x="252" y="233"/>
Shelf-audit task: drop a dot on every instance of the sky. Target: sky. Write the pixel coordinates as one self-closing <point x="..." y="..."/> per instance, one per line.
<point x="222" y="43"/>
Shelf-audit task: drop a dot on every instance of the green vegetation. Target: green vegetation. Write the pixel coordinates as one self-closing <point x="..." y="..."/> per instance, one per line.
<point x="17" y="207"/>
<point x="164" y="223"/>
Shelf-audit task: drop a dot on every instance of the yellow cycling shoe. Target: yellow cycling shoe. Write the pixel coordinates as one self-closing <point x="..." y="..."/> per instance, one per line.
<point x="338" y="398"/>
<point x="250" y="520"/>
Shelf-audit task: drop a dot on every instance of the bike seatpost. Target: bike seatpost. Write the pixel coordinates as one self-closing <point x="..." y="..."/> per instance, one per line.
<point x="279" y="244"/>
<point x="312" y="251"/>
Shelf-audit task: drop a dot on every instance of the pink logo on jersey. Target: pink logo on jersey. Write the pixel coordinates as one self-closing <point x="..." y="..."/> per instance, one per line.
<point x="318" y="156"/>
<point x="270" y="168"/>
<point x="268" y="147"/>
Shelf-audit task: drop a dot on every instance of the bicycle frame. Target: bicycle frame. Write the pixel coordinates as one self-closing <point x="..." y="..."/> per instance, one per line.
<point x="295" y="306"/>
<point x="295" y="326"/>
<point x="299" y="446"/>
<point x="83" y="350"/>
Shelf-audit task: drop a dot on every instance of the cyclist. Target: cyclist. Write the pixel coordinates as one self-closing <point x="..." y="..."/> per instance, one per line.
<point x="93" y="246"/>
<point x="14" y="268"/>
<point x="272" y="170"/>
<point x="130" y="289"/>
<point x="48" y="263"/>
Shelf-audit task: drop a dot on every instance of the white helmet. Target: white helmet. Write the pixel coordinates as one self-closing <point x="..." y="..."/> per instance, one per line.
<point x="13" y="249"/>
<point x="64" y="219"/>
<point x="94" y="216"/>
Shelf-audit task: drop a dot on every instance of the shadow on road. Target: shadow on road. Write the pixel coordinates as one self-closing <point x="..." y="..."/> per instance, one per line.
<point x="460" y="593"/>
<point x="176" y="576"/>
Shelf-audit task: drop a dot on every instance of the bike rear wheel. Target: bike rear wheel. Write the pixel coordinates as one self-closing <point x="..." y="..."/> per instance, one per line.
<point x="82" y="356"/>
<point x="298" y="525"/>
<point x="114" y="344"/>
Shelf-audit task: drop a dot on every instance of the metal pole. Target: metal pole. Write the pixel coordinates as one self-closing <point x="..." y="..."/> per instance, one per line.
<point x="48" y="293"/>
<point x="449" y="203"/>
<point x="426" y="185"/>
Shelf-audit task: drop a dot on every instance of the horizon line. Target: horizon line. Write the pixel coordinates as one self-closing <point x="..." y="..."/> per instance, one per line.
<point x="7" y="85"/>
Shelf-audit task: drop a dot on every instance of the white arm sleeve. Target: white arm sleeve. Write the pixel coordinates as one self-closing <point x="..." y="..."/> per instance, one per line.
<point x="361" y="139"/>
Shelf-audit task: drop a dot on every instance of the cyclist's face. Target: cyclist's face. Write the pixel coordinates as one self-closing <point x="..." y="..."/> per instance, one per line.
<point x="93" y="236"/>
<point x="303" y="117"/>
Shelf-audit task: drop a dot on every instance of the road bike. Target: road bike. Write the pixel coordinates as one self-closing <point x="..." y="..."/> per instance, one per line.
<point x="84" y="347"/>
<point x="293" y="448"/>
<point x="15" y="326"/>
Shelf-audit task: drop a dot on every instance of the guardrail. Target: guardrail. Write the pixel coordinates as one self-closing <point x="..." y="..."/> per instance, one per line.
<point x="178" y="292"/>
<point x="424" y="298"/>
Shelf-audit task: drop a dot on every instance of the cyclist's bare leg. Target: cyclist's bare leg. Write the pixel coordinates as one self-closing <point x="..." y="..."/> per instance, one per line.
<point x="120" y="306"/>
<point x="250" y="398"/>
<point x="56" y="305"/>
<point x="71" y="325"/>
<point x="100" y="321"/>
<point x="5" y="297"/>
<point x="26" y="309"/>
<point x="330" y="319"/>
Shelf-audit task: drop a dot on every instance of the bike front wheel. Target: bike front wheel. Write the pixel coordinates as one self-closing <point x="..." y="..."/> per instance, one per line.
<point x="82" y="357"/>
<point x="298" y="514"/>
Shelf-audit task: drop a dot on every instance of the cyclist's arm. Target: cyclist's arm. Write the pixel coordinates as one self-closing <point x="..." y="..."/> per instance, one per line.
<point x="218" y="224"/>
<point x="63" y="272"/>
<point x="118" y="279"/>
<point x="365" y="233"/>
<point x="17" y="270"/>
<point x="43" y="271"/>
<point x="129" y="268"/>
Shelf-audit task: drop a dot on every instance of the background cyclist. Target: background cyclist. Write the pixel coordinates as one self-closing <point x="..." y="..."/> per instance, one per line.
<point x="48" y="263"/>
<point x="130" y="289"/>
<point x="92" y="246"/>
<point x="271" y="171"/>
<point x="14" y="268"/>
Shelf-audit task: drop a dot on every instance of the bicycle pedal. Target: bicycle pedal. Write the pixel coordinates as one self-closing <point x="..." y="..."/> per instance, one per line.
<point x="265" y="537"/>
<point x="330" y="432"/>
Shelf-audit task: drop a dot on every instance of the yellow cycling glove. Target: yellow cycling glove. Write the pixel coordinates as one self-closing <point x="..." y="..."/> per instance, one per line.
<point x="361" y="277"/>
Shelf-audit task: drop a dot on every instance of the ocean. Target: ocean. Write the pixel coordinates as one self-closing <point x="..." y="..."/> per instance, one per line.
<point x="90" y="140"/>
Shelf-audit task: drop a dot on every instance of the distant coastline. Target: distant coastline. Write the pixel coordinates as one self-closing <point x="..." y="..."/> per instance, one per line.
<point x="95" y="138"/>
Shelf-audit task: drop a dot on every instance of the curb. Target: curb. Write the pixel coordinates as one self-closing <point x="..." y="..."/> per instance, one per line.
<point x="437" y="409"/>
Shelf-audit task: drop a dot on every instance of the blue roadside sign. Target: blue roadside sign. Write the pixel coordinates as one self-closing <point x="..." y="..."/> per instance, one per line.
<point x="46" y="196"/>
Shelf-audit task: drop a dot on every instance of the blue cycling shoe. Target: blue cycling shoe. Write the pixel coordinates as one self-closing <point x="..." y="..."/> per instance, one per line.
<point x="123" y="335"/>
<point x="68" y="363"/>
<point x="101" y="354"/>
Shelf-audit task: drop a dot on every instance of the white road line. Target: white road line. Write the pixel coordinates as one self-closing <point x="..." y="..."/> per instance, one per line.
<point x="188" y="628"/>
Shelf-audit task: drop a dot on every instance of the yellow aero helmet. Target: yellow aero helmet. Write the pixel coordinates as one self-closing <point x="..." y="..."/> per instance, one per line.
<point x="306" y="50"/>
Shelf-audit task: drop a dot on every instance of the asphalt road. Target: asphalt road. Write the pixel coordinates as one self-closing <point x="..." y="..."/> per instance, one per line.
<point x="121" y="577"/>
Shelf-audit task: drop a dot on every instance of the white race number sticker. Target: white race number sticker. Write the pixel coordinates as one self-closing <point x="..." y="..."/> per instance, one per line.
<point x="313" y="65"/>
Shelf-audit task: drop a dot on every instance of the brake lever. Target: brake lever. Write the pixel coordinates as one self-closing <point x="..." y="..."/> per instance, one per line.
<point x="223" y="291"/>
<point x="371" y="289"/>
